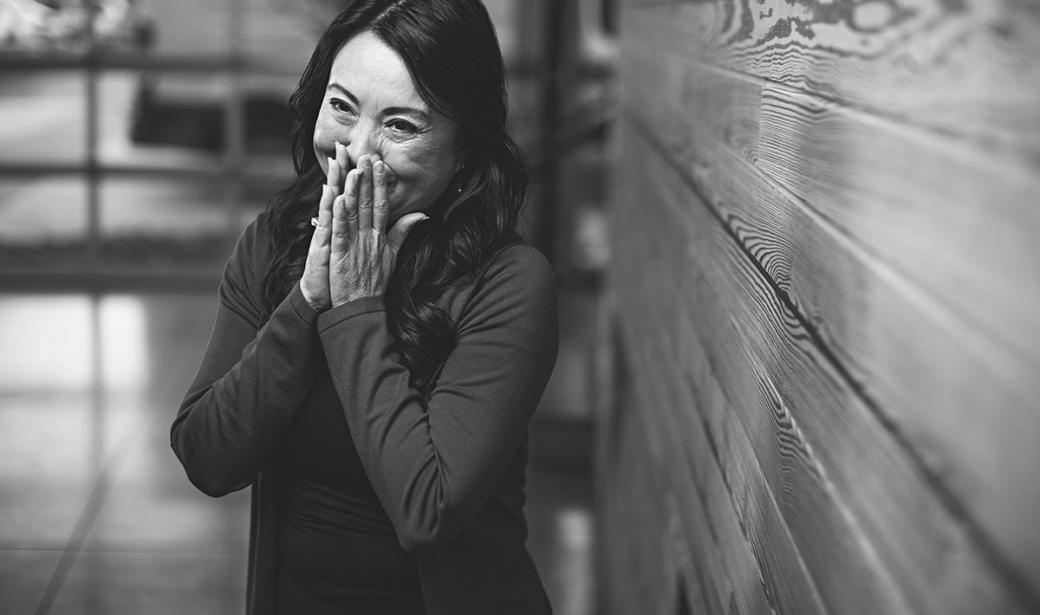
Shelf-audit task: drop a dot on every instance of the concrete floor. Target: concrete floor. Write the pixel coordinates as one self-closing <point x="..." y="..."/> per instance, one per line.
<point x="96" y="516"/>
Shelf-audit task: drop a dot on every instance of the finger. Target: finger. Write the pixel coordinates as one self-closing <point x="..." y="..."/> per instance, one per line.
<point x="343" y="158"/>
<point x="350" y="203"/>
<point x="340" y="229"/>
<point x="381" y="205"/>
<point x="365" y="194"/>
<point x="334" y="178"/>
<point x="320" y="238"/>
<point x="395" y="239"/>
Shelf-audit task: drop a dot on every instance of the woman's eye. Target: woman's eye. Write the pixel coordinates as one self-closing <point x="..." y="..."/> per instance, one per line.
<point x="340" y="105"/>
<point x="402" y="126"/>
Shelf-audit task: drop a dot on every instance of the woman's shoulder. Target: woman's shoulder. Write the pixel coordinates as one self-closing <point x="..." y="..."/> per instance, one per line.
<point x="515" y="279"/>
<point x="517" y="266"/>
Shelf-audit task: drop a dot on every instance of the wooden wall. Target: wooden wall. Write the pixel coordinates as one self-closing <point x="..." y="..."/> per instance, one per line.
<point x="826" y="294"/>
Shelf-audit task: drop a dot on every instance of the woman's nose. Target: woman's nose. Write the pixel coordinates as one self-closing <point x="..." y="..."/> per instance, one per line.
<point x="359" y="140"/>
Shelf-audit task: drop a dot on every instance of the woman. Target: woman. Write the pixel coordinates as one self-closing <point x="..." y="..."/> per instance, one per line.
<point x="372" y="371"/>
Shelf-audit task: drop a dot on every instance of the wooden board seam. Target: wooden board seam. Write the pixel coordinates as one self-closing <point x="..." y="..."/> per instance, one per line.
<point x="998" y="159"/>
<point x="986" y="547"/>
<point x="1028" y="150"/>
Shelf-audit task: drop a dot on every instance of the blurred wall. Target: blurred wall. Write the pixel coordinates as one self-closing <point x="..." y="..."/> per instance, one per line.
<point x="826" y="277"/>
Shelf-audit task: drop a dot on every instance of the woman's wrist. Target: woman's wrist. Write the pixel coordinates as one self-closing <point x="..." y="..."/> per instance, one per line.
<point x="318" y="304"/>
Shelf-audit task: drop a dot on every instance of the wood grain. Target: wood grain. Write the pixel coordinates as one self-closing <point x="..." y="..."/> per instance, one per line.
<point x="834" y="548"/>
<point x="639" y="561"/>
<point x="824" y="263"/>
<point x="918" y="541"/>
<point x="700" y="415"/>
<point x="882" y="326"/>
<point x="965" y="68"/>
<point x="722" y="555"/>
<point x="954" y="221"/>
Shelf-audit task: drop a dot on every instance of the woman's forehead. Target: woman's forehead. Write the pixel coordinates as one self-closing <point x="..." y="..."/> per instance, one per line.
<point x="373" y="72"/>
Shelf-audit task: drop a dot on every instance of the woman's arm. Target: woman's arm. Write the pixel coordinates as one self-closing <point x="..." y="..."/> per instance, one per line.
<point x="252" y="380"/>
<point x="434" y="469"/>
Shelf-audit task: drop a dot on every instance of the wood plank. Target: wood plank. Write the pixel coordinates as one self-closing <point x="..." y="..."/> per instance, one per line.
<point x="711" y="440"/>
<point x="929" y="553"/>
<point x="964" y="68"/>
<point x="730" y="580"/>
<point x="630" y="506"/>
<point x="955" y="221"/>
<point x="689" y="587"/>
<point x="762" y="522"/>
<point x="833" y="545"/>
<point x="879" y="326"/>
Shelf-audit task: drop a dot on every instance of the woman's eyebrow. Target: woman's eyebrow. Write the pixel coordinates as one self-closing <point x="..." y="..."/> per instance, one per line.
<point x="418" y="113"/>
<point x="344" y="91"/>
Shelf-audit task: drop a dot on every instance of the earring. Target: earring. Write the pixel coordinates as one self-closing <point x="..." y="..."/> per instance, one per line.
<point x="458" y="179"/>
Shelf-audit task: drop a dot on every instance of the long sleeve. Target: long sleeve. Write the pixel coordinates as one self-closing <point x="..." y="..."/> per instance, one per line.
<point x="434" y="467"/>
<point x="252" y="380"/>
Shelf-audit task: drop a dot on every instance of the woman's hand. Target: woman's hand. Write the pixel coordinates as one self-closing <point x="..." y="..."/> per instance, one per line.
<point x="315" y="280"/>
<point x="362" y="252"/>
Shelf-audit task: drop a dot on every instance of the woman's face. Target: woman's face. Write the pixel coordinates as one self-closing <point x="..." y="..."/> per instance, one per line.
<point x="372" y="107"/>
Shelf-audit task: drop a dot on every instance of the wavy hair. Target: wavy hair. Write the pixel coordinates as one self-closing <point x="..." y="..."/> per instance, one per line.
<point x="452" y="53"/>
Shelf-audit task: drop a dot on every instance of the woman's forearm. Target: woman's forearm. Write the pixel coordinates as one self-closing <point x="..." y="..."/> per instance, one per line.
<point x="435" y="467"/>
<point x="248" y="388"/>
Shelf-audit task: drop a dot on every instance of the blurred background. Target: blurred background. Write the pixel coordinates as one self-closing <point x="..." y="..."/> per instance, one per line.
<point x="137" y="139"/>
<point x="797" y="250"/>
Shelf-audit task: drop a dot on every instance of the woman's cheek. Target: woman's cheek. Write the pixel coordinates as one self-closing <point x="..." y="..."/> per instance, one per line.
<point x="323" y="141"/>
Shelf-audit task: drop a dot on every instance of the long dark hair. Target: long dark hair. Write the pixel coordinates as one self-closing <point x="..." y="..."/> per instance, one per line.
<point x="450" y="49"/>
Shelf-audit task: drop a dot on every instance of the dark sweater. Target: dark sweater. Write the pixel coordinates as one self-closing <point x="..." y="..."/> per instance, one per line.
<point x="449" y="475"/>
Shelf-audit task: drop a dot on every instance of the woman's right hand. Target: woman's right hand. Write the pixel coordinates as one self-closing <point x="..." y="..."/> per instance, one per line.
<point x="315" y="280"/>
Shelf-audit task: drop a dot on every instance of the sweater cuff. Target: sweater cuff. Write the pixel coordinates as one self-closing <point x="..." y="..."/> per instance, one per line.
<point x="299" y="304"/>
<point x="332" y="317"/>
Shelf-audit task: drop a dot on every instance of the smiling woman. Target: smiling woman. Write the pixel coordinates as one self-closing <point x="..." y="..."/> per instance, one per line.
<point x="373" y="108"/>
<point x="372" y="376"/>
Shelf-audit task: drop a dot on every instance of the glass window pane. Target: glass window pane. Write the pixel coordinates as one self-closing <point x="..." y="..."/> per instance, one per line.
<point x="265" y="100"/>
<point x="43" y="117"/>
<point x="43" y="224"/>
<point x="163" y="224"/>
<point x="162" y="119"/>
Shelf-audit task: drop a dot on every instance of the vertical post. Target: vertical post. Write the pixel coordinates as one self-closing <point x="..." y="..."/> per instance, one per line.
<point x="557" y="72"/>
<point x="93" y="174"/>
<point x="234" y="118"/>
<point x="550" y="74"/>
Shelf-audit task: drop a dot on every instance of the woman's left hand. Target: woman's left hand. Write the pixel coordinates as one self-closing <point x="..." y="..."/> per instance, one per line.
<point x="363" y="253"/>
